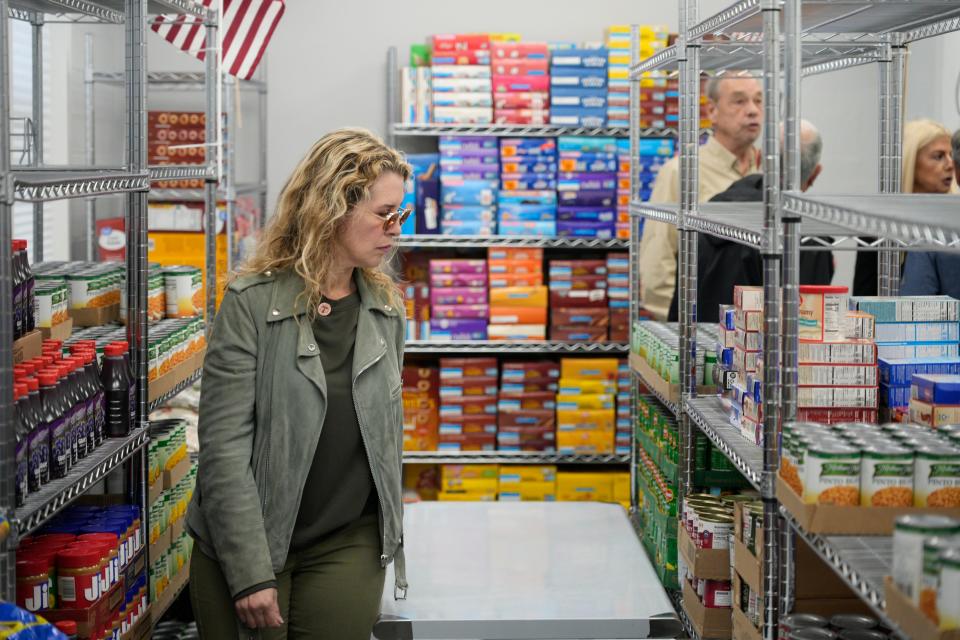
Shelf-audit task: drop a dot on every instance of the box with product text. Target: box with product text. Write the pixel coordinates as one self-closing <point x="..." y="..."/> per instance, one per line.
<point x="453" y="368"/>
<point x="588" y="368"/>
<point x="522" y="100"/>
<point x="578" y="333"/>
<point x="578" y="283"/>
<point x="514" y="228"/>
<point x="458" y="295"/>
<point x="580" y="486"/>
<point x="933" y="415"/>
<point x="468" y="442"/>
<point x="517" y="331"/>
<point x="522" y="84"/>
<point x="527" y="400"/>
<point x="529" y="164"/>
<point x="512" y="266"/>
<point x="518" y="315"/>
<point x="458" y="330"/>
<point x="516" y="280"/>
<point x="602" y="198"/>
<point x="527" y="419"/>
<point x="457" y="280"/>
<point x="468" y="386"/>
<point x="515" y="371"/>
<point x="585" y="420"/>
<point x="519" y="297"/>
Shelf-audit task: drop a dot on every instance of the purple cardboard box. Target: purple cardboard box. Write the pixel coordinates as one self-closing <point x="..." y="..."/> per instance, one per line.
<point x="458" y="330"/>
<point x="457" y="280"/>
<point x="587" y="198"/>
<point x="471" y="267"/>
<point x="586" y="229"/>
<point x="586" y="214"/>
<point x="457" y="295"/>
<point x="460" y="311"/>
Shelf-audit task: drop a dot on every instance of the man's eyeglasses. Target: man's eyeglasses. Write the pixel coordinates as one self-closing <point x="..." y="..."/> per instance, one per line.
<point x="395" y="217"/>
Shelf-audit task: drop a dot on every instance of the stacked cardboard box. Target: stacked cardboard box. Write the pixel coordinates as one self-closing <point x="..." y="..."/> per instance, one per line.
<point x="587" y="187"/>
<point x="914" y="334"/>
<point x="586" y="413"/>
<point x="421" y="408"/>
<point x="417" y="302"/>
<point x="624" y="433"/>
<point x="423" y="193"/>
<point x="527" y="407"/>
<point x="468" y="404"/>
<point x="742" y="330"/>
<point x="528" y="200"/>
<point x="623" y="189"/>
<point x="528" y="483"/>
<point x="176" y="137"/>
<point x="578" y="300"/>
<point x="935" y="399"/>
<point x="521" y="83"/>
<point x="653" y="154"/>
<point x="578" y="486"/>
<point x="416" y="95"/>
<point x="469" y="482"/>
<point x="458" y="296"/>
<point x="618" y="76"/>
<point x="520" y="313"/>
<point x="618" y="295"/>
<point x="578" y="81"/>
<point x="461" y="79"/>
<point x="469" y="180"/>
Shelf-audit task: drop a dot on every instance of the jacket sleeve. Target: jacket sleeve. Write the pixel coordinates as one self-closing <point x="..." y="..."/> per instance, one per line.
<point x="920" y="277"/>
<point x="658" y="249"/>
<point x="401" y="339"/>
<point x="228" y="491"/>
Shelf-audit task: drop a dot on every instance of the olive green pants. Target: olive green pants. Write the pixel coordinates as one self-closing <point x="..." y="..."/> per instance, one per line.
<point x="330" y="591"/>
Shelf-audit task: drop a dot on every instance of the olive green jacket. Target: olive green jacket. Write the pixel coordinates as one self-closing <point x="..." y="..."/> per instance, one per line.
<point x="262" y="406"/>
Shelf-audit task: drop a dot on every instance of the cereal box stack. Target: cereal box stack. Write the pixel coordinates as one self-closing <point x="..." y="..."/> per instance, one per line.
<point x="578" y="87"/>
<point x="618" y="295"/>
<point x="468" y="404"/>
<point x="521" y="83"/>
<point x="526" y="415"/>
<point x="520" y="483"/>
<point x="914" y="335"/>
<point x="458" y="300"/>
<point x="618" y="76"/>
<point x="518" y="299"/>
<point x="624" y="433"/>
<point x="528" y="180"/>
<point x="421" y="408"/>
<point x="461" y="79"/>
<point x="587" y="187"/>
<point x="586" y="412"/>
<point x="468" y="483"/>
<point x="578" y="300"/>
<point x="469" y="181"/>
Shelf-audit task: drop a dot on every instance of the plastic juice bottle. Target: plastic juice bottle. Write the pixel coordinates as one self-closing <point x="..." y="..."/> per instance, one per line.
<point x="131" y="380"/>
<point x="23" y="442"/>
<point x="86" y="359"/>
<point x="72" y="404"/>
<point x="99" y="400"/>
<point x="83" y="402"/>
<point x="55" y="422"/>
<point x="116" y="388"/>
<point x="30" y="284"/>
<point x="38" y="450"/>
<point x="18" y="277"/>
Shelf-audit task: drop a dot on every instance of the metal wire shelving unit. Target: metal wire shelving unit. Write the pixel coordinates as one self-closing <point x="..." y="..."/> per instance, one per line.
<point x="523" y="347"/>
<point x="510" y="457"/>
<point x="814" y="36"/>
<point x="39" y="183"/>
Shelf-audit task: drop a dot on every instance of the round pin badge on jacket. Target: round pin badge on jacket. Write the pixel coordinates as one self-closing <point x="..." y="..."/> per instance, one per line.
<point x="324" y="309"/>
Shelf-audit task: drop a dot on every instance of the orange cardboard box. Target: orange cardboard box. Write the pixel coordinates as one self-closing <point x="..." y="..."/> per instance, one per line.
<point x="516" y="267"/>
<point x="516" y="254"/>
<point x="518" y="315"/>
<point x="500" y="280"/>
<point x="519" y="297"/>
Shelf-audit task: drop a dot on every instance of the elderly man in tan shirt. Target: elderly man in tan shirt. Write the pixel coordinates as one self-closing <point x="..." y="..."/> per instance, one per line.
<point x="736" y="108"/>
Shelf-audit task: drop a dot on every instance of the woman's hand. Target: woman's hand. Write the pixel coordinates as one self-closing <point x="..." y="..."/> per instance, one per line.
<point x="259" y="609"/>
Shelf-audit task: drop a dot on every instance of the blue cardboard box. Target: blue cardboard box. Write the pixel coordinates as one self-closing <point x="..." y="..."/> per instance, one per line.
<point x="936" y="388"/>
<point x="589" y="58"/>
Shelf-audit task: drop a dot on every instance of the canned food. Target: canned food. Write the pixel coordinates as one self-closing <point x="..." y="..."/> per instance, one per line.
<point x="937" y="474"/>
<point x="183" y="287"/>
<point x="796" y="621"/>
<point x="933" y="548"/>
<point x="832" y="475"/>
<point x="753" y="527"/>
<point x="948" y="598"/>
<point x="886" y="477"/>
<point x="843" y="621"/>
<point x="717" y="530"/>
<point x="717" y="594"/>
<point x="908" y="536"/>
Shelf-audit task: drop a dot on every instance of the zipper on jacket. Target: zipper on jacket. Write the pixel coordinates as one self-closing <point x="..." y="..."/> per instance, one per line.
<point x="366" y="448"/>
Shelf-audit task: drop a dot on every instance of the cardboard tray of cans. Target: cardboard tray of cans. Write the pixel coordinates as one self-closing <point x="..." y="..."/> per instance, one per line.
<point x="710" y="564"/>
<point x="909" y="618"/>
<point x="28" y="347"/>
<point x="168" y="480"/>
<point x="95" y="316"/>
<point x="60" y="331"/>
<point x="168" y="381"/>
<point x="707" y="622"/>
<point x="848" y="520"/>
<point x="652" y="379"/>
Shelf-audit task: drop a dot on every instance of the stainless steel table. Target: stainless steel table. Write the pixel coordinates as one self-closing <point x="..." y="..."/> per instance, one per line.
<point x="525" y="571"/>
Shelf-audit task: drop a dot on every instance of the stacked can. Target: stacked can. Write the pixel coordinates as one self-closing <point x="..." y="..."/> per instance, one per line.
<point x="659" y="346"/>
<point x="91" y="285"/>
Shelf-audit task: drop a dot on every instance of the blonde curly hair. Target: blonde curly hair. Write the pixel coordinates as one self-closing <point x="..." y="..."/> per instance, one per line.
<point x="335" y="175"/>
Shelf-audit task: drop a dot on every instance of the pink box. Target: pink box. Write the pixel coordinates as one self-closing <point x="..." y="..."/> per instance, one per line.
<point x="517" y="50"/>
<point x="521" y="116"/>
<point x="457" y="280"/>
<point x="506" y="84"/>
<point x="473" y="267"/>
<point x="522" y="100"/>
<point x="518" y="67"/>
<point x="457" y="295"/>
<point x="460" y="311"/>
<point x="461" y="41"/>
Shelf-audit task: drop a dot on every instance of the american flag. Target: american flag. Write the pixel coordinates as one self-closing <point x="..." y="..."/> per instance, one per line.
<point x="246" y="28"/>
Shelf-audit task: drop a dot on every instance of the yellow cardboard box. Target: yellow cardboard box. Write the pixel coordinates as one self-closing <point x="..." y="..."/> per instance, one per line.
<point x="471" y="485"/>
<point x="588" y="368"/>
<point x="528" y="473"/>
<point x="529" y="491"/>
<point x="519" y="297"/>
<point x="621" y="486"/>
<point x="586" y="442"/>
<point x="463" y="496"/>
<point x="586" y="402"/>
<point x="469" y="471"/>
<point x="574" y="386"/>
<point x="604" y="419"/>
<point x="580" y="486"/>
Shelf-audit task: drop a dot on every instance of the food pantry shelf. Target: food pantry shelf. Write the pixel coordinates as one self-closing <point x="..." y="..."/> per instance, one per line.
<point x="710" y="415"/>
<point x="44" y="185"/>
<point x="914" y="220"/>
<point x="818" y="57"/>
<point x="649" y="384"/>
<point x="182" y="172"/>
<point x="178" y="388"/>
<point x="507" y="348"/>
<point x="521" y="131"/>
<point x="509" y="457"/>
<point x="479" y="242"/>
<point x="57" y="494"/>
<point x="861" y="561"/>
<point x="110" y="11"/>
<point x="742" y="222"/>
<point x="197" y="195"/>
<point x="915" y="18"/>
<point x="172" y="79"/>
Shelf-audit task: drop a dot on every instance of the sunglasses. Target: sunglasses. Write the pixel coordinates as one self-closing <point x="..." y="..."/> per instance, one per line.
<point x="396" y="217"/>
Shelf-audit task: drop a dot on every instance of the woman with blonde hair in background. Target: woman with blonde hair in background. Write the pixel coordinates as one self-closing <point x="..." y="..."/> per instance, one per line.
<point x="926" y="167"/>
<point x="297" y="510"/>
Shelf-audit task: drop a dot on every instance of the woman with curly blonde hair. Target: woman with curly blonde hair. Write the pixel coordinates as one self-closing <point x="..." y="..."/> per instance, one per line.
<point x="297" y="510"/>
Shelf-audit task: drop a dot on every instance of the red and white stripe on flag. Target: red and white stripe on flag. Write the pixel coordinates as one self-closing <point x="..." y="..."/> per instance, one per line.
<point x="246" y="27"/>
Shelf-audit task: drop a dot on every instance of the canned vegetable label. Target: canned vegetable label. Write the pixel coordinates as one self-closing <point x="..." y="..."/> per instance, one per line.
<point x="832" y="475"/>
<point x="908" y="537"/>
<point x="886" y="478"/>
<point x="937" y="481"/>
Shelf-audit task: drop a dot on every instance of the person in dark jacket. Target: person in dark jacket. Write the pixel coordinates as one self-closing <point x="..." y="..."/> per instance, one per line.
<point x="722" y="263"/>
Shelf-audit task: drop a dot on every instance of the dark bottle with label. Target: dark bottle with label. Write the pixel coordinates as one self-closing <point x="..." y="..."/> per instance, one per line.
<point x="90" y="394"/>
<point x="30" y="285"/>
<point x="55" y="422"/>
<point x="23" y="442"/>
<point x="18" y="290"/>
<point x="131" y="380"/>
<point x="116" y="388"/>
<point x="99" y="398"/>
<point x="79" y="377"/>
<point x="71" y="411"/>
<point x="38" y="454"/>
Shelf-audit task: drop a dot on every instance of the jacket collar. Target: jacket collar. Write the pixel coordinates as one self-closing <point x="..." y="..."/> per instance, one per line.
<point x="286" y="301"/>
<point x="725" y="158"/>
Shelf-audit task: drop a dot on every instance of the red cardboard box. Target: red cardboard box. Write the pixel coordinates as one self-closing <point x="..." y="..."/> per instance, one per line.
<point x="472" y="386"/>
<point x="519" y="50"/>
<point x="527" y="400"/>
<point x="527" y="418"/>
<point x="518" y="66"/>
<point x="459" y="42"/>
<point x="469" y="425"/>
<point x="499" y="280"/>
<point x="468" y="406"/>
<point x="417" y="401"/>
<point x="595" y="298"/>
<point x="580" y="267"/>
<point x="522" y="100"/>
<point x="472" y="442"/>
<point x="523" y="370"/>
<point x="514" y="267"/>
<point x="532" y="385"/>
<point x="467" y="367"/>
<point x="572" y="316"/>
<point x="580" y="283"/>
<point x="421" y="379"/>
<point x="579" y="334"/>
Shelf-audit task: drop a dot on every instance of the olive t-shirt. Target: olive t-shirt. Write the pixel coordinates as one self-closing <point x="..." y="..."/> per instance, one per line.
<point x="339" y="487"/>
